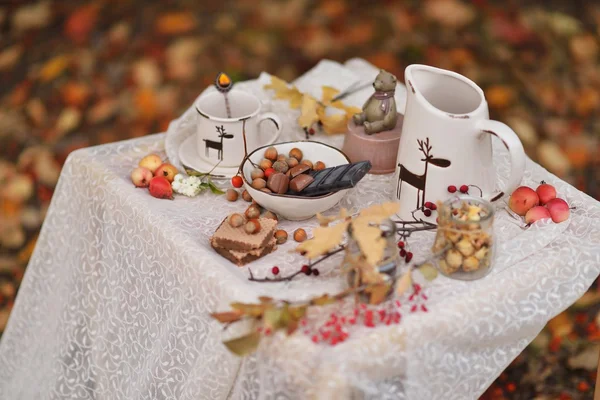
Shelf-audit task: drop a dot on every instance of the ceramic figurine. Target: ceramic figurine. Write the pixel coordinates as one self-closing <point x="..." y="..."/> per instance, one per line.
<point x="379" y="111"/>
<point x="446" y="144"/>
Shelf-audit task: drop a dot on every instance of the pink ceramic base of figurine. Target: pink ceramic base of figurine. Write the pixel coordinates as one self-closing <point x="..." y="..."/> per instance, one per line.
<point x="380" y="148"/>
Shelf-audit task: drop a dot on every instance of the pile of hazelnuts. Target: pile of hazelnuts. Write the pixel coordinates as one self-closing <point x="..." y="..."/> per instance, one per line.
<point x="274" y="163"/>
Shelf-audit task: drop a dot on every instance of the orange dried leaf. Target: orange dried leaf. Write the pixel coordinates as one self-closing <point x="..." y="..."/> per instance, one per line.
<point x="308" y="112"/>
<point x="378" y="292"/>
<point x="284" y="92"/>
<point x="227" y="316"/>
<point x="404" y="283"/>
<point x="324" y="239"/>
<point x="252" y="310"/>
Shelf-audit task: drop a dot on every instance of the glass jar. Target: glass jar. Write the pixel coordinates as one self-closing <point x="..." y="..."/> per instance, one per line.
<point x="464" y="240"/>
<point x="390" y="260"/>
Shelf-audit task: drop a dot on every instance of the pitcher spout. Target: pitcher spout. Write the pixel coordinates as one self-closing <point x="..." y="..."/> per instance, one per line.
<point x="443" y="92"/>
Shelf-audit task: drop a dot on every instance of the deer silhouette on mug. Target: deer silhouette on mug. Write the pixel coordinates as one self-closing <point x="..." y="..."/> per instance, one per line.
<point x="211" y="144"/>
<point x="419" y="181"/>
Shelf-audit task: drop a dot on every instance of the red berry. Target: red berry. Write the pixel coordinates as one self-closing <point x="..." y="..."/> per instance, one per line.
<point x="306" y="269"/>
<point x="452" y="188"/>
<point x="427" y="213"/>
<point x="315" y="272"/>
<point x="311" y="131"/>
<point x="275" y="270"/>
<point x="433" y="207"/>
<point x="464" y="189"/>
<point x="402" y="253"/>
<point x="237" y="181"/>
<point x="429" y="205"/>
<point x="400" y="244"/>
<point x="269" y="172"/>
<point x="409" y="256"/>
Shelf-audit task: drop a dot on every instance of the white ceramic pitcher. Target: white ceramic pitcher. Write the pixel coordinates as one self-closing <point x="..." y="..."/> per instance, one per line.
<point x="446" y="143"/>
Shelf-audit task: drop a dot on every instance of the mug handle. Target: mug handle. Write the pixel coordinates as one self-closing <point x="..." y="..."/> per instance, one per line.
<point x="275" y="119"/>
<point x="516" y="152"/>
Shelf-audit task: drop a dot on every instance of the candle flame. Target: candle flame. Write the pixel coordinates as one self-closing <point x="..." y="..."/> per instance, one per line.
<point x="224" y="79"/>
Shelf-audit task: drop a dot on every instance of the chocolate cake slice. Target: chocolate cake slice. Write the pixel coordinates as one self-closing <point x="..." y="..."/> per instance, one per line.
<point x="241" y="258"/>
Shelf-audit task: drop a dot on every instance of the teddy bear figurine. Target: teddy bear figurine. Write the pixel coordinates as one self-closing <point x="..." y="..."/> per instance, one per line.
<point x="379" y="111"/>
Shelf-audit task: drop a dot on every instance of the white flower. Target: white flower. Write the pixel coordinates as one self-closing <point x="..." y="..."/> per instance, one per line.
<point x="189" y="186"/>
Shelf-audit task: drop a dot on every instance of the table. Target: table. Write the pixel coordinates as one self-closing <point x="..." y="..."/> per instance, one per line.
<point x="116" y="299"/>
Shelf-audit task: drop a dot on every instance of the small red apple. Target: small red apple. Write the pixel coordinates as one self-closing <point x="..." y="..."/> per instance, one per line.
<point x="141" y="177"/>
<point x="160" y="188"/>
<point x="166" y="170"/>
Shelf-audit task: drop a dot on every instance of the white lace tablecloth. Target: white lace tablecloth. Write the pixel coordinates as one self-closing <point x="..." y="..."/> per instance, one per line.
<point x="116" y="299"/>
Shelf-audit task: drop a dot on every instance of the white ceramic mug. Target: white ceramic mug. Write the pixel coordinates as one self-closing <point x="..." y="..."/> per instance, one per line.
<point x="227" y="140"/>
<point x="446" y="142"/>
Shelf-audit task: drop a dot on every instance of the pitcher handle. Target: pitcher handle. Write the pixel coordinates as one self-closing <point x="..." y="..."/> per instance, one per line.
<point x="275" y="119"/>
<point x="516" y="152"/>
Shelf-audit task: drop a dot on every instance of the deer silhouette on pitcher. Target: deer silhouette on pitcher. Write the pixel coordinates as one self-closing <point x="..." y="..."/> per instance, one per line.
<point x="211" y="144"/>
<point x="419" y="181"/>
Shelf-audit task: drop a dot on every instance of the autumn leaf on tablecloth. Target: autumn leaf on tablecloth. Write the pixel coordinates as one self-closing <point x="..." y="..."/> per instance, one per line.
<point x="283" y="91"/>
<point x="378" y="292"/>
<point x="252" y="310"/>
<point x="428" y="271"/>
<point x="324" y="240"/>
<point x="333" y="123"/>
<point x="379" y="212"/>
<point x="323" y="300"/>
<point x="228" y="316"/>
<point x="404" y="283"/>
<point x="366" y="231"/>
<point x="308" y="112"/>
<point x="325" y="221"/>
<point x="244" y="344"/>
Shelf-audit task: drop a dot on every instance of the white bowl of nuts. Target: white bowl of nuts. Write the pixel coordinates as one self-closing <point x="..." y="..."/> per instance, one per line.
<point x="276" y="176"/>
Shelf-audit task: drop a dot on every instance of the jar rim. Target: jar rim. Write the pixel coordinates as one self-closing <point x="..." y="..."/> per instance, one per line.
<point x="471" y="199"/>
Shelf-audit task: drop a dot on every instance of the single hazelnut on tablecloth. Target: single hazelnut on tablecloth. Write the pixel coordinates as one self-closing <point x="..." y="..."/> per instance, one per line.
<point x="281" y="236"/>
<point x="257" y="173"/>
<point x="296" y="153"/>
<point x="252" y="227"/>
<point x="246" y="196"/>
<point x="280" y="166"/>
<point x="259" y="183"/>
<point x="236" y="220"/>
<point x="232" y="195"/>
<point x="265" y="164"/>
<point x="319" y="165"/>
<point x="300" y="235"/>
<point x="271" y="153"/>
<point x="252" y="212"/>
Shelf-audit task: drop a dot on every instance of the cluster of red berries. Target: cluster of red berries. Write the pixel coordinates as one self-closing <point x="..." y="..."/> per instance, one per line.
<point x="407" y="255"/>
<point x="463" y="189"/>
<point x="429" y="208"/>
<point x="306" y="269"/>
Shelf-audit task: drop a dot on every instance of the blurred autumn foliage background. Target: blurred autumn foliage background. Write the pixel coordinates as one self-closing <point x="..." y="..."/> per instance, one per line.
<point x="81" y="73"/>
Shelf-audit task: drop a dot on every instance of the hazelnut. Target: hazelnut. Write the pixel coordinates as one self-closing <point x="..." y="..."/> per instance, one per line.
<point x="307" y="162"/>
<point x="236" y="220"/>
<point x="296" y="153"/>
<point x="252" y="212"/>
<point x="292" y="162"/>
<point x="265" y="164"/>
<point x="281" y="157"/>
<point x="259" y="183"/>
<point x="300" y="235"/>
<point x="246" y="196"/>
<point x="270" y="215"/>
<point x="271" y="153"/>
<point x="257" y="173"/>
<point x="232" y="195"/>
<point x="280" y="166"/>
<point x="319" y="165"/>
<point x="281" y="236"/>
<point x="252" y="226"/>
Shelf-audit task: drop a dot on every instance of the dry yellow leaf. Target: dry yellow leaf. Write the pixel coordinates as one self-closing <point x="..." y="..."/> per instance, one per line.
<point x="328" y="94"/>
<point x="378" y="292"/>
<point x="308" y="112"/>
<point x="284" y="92"/>
<point x="54" y="68"/>
<point x="379" y="212"/>
<point x="369" y="240"/>
<point x="325" y="221"/>
<point x="404" y="283"/>
<point x="334" y="123"/>
<point x="324" y="239"/>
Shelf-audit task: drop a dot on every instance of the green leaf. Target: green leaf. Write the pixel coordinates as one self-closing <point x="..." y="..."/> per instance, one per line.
<point x="273" y="318"/>
<point x="429" y="272"/>
<point x="214" y="188"/>
<point x="243" y="345"/>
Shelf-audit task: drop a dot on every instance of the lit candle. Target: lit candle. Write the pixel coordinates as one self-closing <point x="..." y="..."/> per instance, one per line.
<point x="224" y="84"/>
